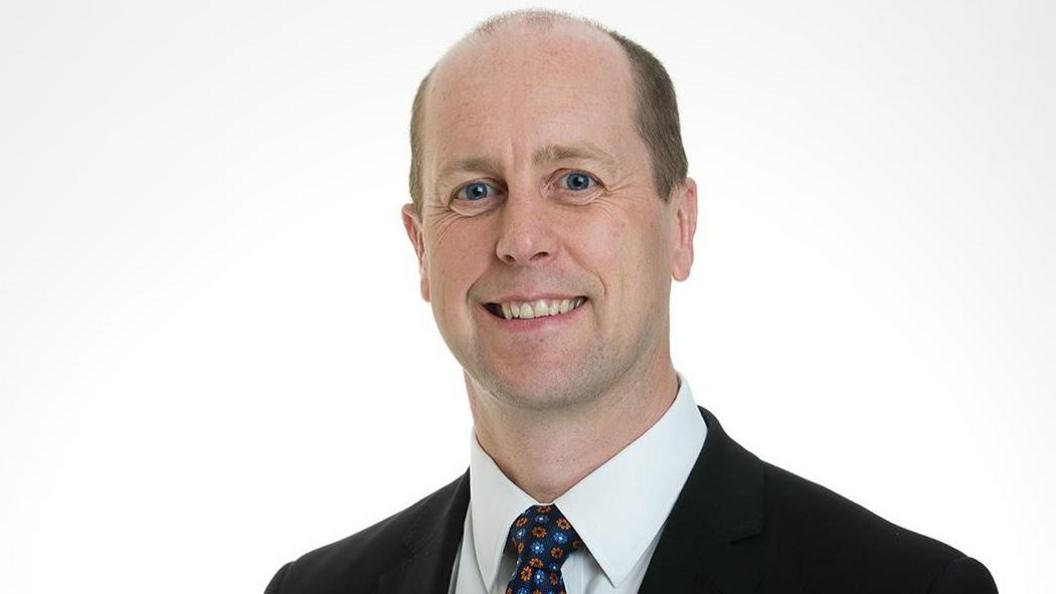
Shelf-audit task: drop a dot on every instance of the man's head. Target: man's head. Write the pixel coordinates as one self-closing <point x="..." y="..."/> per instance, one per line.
<point x="538" y="187"/>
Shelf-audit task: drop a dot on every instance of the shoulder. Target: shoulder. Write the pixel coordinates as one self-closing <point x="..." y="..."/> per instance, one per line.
<point x="355" y="563"/>
<point x="837" y="541"/>
<point x="809" y="512"/>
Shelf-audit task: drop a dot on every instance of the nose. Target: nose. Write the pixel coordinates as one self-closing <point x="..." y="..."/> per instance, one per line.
<point x="526" y="235"/>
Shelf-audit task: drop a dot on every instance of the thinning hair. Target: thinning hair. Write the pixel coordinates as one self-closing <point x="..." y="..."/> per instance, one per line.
<point x="656" y="112"/>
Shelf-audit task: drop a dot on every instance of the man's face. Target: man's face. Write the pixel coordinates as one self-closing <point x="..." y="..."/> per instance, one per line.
<point x="539" y="200"/>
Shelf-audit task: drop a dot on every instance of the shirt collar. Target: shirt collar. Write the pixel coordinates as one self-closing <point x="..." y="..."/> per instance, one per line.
<point x="646" y="477"/>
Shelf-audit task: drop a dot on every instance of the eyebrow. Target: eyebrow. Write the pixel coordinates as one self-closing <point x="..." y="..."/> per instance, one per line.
<point x="482" y="164"/>
<point x="583" y="151"/>
<point x="546" y="154"/>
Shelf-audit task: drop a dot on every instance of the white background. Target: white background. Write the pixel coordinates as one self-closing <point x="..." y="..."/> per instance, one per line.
<point x="213" y="356"/>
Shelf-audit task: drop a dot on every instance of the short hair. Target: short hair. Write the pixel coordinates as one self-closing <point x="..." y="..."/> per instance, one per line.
<point x="656" y="111"/>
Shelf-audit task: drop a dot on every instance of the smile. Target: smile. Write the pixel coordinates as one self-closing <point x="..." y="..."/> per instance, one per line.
<point x="540" y="308"/>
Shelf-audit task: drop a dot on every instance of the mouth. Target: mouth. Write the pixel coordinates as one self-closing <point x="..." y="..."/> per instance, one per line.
<point x="540" y="308"/>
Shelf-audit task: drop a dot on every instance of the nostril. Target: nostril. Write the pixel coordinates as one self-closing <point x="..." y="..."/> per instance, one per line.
<point x="514" y="259"/>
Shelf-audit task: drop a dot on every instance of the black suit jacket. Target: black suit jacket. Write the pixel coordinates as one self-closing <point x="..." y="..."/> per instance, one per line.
<point x="739" y="525"/>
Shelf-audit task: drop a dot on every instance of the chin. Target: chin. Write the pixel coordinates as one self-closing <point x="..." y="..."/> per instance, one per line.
<point x="537" y="389"/>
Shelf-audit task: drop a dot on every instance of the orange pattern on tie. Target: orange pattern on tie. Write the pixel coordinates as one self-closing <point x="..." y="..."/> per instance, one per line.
<point x="543" y="540"/>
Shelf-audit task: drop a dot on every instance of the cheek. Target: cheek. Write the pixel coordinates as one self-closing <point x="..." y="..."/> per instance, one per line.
<point x="626" y="249"/>
<point x="458" y="256"/>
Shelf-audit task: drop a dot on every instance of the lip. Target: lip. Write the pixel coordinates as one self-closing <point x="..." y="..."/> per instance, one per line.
<point x="520" y="298"/>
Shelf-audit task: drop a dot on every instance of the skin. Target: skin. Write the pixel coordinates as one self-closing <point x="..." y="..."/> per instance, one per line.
<point x="518" y="116"/>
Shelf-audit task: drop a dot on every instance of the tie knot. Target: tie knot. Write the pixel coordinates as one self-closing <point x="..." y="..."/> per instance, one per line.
<point x="542" y="539"/>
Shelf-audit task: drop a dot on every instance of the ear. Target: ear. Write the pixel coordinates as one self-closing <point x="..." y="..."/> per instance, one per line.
<point x="685" y="228"/>
<point x="413" y="224"/>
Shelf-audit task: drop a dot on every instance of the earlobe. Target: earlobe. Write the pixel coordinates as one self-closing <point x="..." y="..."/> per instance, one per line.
<point x="685" y="229"/>
<point x="412" y="224"/>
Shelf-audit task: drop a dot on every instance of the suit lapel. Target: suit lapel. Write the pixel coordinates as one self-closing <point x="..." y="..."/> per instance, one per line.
<point x="720" y="504"/>
<point x="431" y="544"/>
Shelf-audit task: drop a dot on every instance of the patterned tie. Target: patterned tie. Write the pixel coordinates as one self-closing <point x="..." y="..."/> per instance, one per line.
<point x="542" y="539"/>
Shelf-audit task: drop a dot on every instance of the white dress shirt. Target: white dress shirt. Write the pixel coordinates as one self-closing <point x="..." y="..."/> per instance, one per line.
<point x="618" y="510"/>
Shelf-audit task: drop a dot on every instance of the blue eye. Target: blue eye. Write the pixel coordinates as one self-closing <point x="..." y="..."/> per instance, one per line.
<point x="474" y="191"/>
<point x="578" y="181"/>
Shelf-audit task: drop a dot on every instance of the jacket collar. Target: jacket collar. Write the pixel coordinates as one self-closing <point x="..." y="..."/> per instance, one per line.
<point x="431" y="544"/>
<point x="720" y="504"/>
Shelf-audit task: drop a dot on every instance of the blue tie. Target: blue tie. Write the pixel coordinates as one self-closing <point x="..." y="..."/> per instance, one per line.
<point x="542" y="539"/>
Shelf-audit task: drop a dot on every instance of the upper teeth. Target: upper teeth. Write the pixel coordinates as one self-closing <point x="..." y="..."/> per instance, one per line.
<point x="540" y="308"/>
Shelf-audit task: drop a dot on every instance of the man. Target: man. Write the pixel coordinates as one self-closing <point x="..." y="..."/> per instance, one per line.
<point x="551" y="209"/>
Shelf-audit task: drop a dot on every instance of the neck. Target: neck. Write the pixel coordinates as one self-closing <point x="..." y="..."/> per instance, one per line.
<point x="555" y="449"/>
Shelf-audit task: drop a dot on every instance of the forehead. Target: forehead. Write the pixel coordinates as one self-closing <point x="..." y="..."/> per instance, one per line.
<point x="505" y="94"/>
